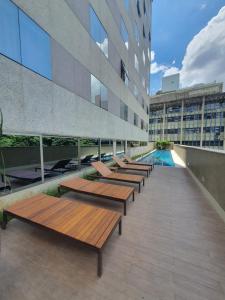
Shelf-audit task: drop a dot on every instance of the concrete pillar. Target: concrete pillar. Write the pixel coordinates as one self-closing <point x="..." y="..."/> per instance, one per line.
<point x="99" y="149"/>
<point x="164" y="119"/>
<point x="125" y="146"/>
<point x="202" y="121"/>
<point x="181" y="122"/>
<point x="114" y="147"/>
<point x="42" y="159"/>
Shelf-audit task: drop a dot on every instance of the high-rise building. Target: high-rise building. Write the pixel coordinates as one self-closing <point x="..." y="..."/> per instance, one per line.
<point x="194" y="116"/>
<point x="75" y="68"/>
<point x="171" y="83"/>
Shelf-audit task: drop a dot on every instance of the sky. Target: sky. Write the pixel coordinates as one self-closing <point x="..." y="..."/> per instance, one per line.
<point x="188" y="36"/>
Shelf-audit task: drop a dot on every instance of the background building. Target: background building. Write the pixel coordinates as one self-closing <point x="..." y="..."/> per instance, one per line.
<point x="171" y="83"/>
<point x="75" y="68"/>
<point x="193" y="116"/>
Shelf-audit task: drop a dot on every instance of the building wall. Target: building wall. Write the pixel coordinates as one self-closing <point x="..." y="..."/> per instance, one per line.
<point x="32" y="104"/>
<point x="197" y="121"/>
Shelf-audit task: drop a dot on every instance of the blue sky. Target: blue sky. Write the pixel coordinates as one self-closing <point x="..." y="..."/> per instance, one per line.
<point x="174" y="25"/>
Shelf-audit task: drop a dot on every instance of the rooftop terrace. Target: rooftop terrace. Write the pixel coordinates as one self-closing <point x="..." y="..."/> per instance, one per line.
<point x="172" y="247"/>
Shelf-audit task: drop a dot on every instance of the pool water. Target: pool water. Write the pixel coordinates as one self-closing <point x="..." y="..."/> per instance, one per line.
<point x="160" y="157"/>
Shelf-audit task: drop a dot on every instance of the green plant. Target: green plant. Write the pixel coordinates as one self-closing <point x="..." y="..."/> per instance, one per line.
<point x="163" y="145"/>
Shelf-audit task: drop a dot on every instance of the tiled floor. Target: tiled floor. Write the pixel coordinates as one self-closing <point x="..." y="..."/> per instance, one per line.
<point x="172" y="247"/>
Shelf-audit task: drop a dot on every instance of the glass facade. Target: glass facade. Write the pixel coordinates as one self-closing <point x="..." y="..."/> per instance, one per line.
<point x="9" y="30"/>
<point x="99" y="93"/>
<point x="123" y="111"/>
<point x="136" y="33"/>
<point x="22" y="40"/>
<point x="35" y="46"/>
<point x="136" y="63"/>
<point x="98" y="33"/>
<point x="190" y="122"/>
<point x="126" y="4"/>
<point x="124" y="33"/>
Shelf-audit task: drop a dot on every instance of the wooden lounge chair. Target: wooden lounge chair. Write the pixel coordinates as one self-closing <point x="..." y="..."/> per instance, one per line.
<point x="100" y="189"/>
<point x="124" y="166"/>
<point x="88" y="225"/>
<point x="4" y="186"/>
<point x="106" y="173"/>
<point x="129" y="161"/>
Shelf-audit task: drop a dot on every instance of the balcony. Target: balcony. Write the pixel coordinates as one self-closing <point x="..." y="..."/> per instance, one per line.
<point x="172" y="247"/>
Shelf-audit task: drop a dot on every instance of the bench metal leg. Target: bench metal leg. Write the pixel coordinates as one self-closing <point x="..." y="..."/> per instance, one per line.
<point x="4" y="220"/>
<point x="143" y="182"/>
<point x="139" y="187"/>
<point x="99" y="263"/>
<point x="133" y="196"/>
<point x="125" y="208"/>
<point x="120" y="227"/>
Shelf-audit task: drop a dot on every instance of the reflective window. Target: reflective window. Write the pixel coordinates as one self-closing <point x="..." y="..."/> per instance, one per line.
<point x="136" y="33"/>
<point x="143" y="81"/>
<point x="123" y="111"/>
<point x="124" y="73"/>
<point x="138" y="8"/>
<point x="35" y="46"/>
<point x="143" y="56"/>
<point x="99" y="93"/>
<point x="9" y="30"/>
<point x="136" y="64"/>
<point x="98" y="32"/>
<point x="124" y="33"/>
<point x="144" y="35"/>
<point x="135" y="119"/>
<point x="126" y="4"/>
<point x="144" y="7"/>
<point x="135" y="91"/>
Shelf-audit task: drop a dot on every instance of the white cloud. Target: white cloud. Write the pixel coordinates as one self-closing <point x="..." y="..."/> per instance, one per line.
<point x="204" y="59"/>
<point x="152" y="55"/>
<point x="173" y="62"/>
<point x="171" y="71"/>
<point x="156" y="68"/>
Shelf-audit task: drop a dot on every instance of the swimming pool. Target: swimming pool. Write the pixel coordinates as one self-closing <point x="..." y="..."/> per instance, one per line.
<point x="160" y="157"/>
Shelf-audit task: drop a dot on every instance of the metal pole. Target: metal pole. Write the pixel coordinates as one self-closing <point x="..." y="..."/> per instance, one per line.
<point x="114" y="147"/>
<point x="202" y="121"/>
<point x="99" y="149"/>
<point x="42" y="159"/>
<point x="164" y="119"/>
<point x="125" y="146"/>
<point x="78" y="152"/>
<point x="181" y="122"/>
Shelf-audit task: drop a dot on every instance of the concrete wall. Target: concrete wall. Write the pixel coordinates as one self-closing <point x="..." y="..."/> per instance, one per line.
<point x="34" y="105"/>
<point x="209" y="168"/>
<point x="140" y="150"/>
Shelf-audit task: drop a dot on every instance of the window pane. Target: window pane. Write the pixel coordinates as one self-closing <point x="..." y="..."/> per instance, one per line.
<point x="136" y="64"/>
<point x="9" y="30"/>
<point x="126" y="3"/>
<point x="35" y="47"/>
<point x="98" y="32"/>
<point x="104" y="97"/>
<point x="136" y="32"/>
<point x="124" y="33"/>
<point x="123" y="111"/>
<point x="95" y="91"/>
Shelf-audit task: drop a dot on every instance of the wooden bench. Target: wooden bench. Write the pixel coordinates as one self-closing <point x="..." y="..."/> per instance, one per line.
<point x="113" y="192"/>
<point x="88" y="225"/>
<point x="106" y="173"/>
<point x="132" y="167"/>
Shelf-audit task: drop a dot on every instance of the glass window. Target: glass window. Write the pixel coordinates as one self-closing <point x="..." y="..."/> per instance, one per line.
<point x="124" y="73"/>
<point x="143" y="56"/>
<point x="136" y="64"/>
<point x="99" y="93"/>
<point x="98" y="32"/>
<point x="123" y="111"/>
<point x="135" y="91"/>
<point x="9" y="30"/>
<point x="144" y="35"/>
<point x="138" y="8"/>
<point x="143" y="81"/>
<point x="124" y="33"/>
<point x="126" y="4"/>
<point x="136" y="33"/>
<point x="35" y="46"/>
<point x="144" y="7"/>
<point x="135" y="119"/>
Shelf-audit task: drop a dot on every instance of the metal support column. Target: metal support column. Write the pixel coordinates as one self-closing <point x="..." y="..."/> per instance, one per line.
<point x="181" y="122"/>
<point x="114" y="147"/>
<point x="99" y="149"/>
<point x="42" y="159"/>
<point x="78" y="153"/>
<point x="164" y="119"/>
<point x="202" y="121"/>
